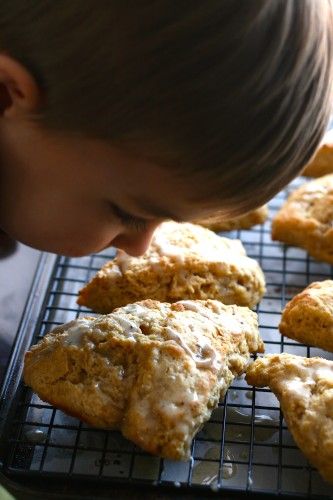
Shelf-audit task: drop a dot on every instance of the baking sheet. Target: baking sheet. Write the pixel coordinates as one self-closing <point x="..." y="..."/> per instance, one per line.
<point x="245" y="447"/>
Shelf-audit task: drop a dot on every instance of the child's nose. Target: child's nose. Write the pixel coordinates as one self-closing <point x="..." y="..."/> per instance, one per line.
<point x="135" y="243"/>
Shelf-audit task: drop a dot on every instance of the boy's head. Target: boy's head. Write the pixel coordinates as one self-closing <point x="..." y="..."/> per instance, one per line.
<point x="194" y="106"/>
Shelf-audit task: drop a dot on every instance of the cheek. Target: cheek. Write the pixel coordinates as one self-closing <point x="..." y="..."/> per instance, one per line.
<point x="71" y="229"/>
<point x="69" y="241"/>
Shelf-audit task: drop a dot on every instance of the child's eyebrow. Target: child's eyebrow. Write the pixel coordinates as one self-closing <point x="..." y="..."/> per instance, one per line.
<point x="159" y="212"/>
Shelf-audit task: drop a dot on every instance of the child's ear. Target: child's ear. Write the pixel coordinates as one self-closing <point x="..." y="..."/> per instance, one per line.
<point x="19" y="92"/>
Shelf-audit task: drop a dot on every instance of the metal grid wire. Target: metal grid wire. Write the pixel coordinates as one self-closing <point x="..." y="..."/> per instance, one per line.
<point x="245" y="447"/>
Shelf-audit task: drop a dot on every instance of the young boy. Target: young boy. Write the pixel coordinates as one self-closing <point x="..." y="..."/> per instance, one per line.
<point x="116" y="115"/>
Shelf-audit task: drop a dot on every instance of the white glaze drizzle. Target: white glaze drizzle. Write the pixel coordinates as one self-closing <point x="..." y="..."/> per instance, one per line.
<point x="129" y="327"/>
<point x="136" y="309"/>
<point x="307" y="378"/>
<point x="76" y="332"/>
<point x="228" y="320"/>
<point x="209" y="357"/>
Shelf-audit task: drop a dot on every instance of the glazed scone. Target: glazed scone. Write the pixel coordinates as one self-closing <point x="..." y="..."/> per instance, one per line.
<point x="153" y="370"/>
<point x="218" y="224"/>
<point x="322" y="162"/>
<point x="308" y="317"/>
<point x="304" y="387"/>
<point x="184" y="261"/>
<point x="306" y="219"/>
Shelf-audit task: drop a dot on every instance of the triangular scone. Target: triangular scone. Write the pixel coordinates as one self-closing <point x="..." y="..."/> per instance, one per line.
<point x="305" y="219"/>
<point x="184" y="261"/>
<point x="304" y="387"/>
<point x="308" y="317"/>
<point x="219" y="223"/>
<point x="322" y="163"/>
<point x="153" y="370"/>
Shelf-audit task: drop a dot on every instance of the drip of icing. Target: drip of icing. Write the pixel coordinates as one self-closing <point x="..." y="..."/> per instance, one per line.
<point x="136" y="309"/>
<point x="302" y="384"/>
<point x="35" y="436"/>
<point x="113" y="271"/>
<point x="229" y="321"/>
<point x="83" y="326"/>
<point x="76" y="332"/>
<point x="209" y="357"/>
<point x="229" y="469"/>
<point x="122" y="261"/>
<point x="173" y="335"/>
<point x="129" y="328"/>
<point x="235" y="416"/>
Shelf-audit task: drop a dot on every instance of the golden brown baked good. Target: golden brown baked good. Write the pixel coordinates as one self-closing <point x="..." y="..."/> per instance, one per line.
<point x="218" y="223"/>
<point x="184" y="261"/>
<point x="304" y="387"/>
<point x="305" y="219"/>
<point x="308" y="317"/>
<point x="322" y="162"/>
<point x="153" y="370"/>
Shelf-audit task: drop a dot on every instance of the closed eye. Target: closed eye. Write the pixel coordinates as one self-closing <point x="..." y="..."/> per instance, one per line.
<point x="129" y="220"/>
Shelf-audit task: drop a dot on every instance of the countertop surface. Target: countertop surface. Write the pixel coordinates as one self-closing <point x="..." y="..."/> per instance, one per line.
<point x="18" y="265"/>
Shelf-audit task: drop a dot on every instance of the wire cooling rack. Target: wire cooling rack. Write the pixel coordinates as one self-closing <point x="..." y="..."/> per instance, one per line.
<point x="244" y="448"/>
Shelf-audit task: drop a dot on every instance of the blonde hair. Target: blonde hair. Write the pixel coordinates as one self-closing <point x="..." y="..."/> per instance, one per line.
<point x="234" y="94"/>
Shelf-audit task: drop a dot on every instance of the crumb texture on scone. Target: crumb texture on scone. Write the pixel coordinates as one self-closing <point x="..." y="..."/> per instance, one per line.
<point x="308" y="317"/>
<point x="219" y="223"/>
<point x="184" y="261"/>
<point x="304" y="387"/>
<point x="155" y="371"/>
<point x="306" y="219"/>
<point x="322" y="162"/>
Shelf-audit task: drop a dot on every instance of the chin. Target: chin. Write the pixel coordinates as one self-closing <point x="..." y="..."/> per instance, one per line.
<point x="60" y="245"/>
<point x="56" y="247"/>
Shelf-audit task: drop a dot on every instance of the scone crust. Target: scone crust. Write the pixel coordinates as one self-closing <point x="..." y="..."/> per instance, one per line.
<point x="184" y="261"/>
<point x="308" y="317"/>
<point x="218" y="223"/>
<point x="304" y="387"/>
<point x="154" y="371"/>
<point x="305" y="219"/>
<point x="322" y="163"/>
